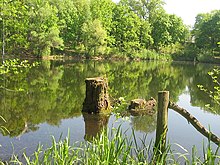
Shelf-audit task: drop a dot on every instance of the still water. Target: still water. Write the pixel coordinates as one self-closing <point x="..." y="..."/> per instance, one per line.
<point x="51" y="95"/>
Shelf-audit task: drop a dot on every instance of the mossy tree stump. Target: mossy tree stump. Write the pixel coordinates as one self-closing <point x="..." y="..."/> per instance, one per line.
<point x="97" y="99"/>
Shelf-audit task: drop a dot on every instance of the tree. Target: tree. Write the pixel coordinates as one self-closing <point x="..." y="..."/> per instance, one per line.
<point x="167" y="30"/>
<point x="160" y="31"/>
<point x="103" y="11"/>
<point x="94" y="37"/>
<point x="84" y="15"/>
<point x="68" y="17"/>
<point x="145" y="37"/>
<point x="145" y="9"/>
<point x="14" y="23"/>
<point x="177" y="30"/>
<point x="207" y="30"/>
<point x="43" y="28"/>
<point x="126" y="29"/>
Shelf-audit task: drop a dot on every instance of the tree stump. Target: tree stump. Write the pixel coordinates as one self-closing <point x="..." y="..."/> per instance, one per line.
<point x="97" y="99"/>
<point x="142" y="107"/>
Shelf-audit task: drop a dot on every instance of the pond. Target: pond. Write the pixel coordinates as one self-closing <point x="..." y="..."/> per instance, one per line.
<point x="51" y="97"/>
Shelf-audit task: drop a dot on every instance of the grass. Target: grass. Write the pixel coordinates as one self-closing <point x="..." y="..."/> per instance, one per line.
<point x="112" y="148"/>
<point x="151" y="55"/>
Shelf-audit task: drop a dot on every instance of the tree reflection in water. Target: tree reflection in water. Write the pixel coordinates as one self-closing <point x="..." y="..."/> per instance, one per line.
<point x="55" y="90"/>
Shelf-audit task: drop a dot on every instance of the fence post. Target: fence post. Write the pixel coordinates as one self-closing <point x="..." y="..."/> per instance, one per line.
<point x="162" y="116"/>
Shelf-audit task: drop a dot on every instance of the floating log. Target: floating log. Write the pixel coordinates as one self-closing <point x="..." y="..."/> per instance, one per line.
<point x="142" y="107"/>
<point x="97" y="99"/>
<point x="196" y="124"/>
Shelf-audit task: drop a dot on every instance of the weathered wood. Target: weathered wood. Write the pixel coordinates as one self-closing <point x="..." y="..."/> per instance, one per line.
<point x="97" y="99"/>
<point x="162" y="119"/>
<point x="196" y="124"/>
<point x="142" y="107"/>
<point x="137" y="104"/>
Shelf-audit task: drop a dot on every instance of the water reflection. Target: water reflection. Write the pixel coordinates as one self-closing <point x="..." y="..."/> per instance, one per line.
<point x="146" y="123"/>
<point x="94" y="124"/>
<point x="55" y="90"/>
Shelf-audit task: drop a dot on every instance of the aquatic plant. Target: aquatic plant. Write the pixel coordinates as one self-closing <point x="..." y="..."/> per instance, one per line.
<point x="113" y="147"/>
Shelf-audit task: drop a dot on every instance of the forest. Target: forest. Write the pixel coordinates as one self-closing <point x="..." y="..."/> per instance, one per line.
<point x="87" y="28"/>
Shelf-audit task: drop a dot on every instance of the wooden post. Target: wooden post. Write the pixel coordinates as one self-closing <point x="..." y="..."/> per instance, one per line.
<point x="162" y="116"/>
<point x="97" y="99"/>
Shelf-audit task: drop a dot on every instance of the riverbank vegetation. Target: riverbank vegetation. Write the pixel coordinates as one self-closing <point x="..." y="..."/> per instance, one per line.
<point x="113" y="147"/>
<point x="128" y="29"/>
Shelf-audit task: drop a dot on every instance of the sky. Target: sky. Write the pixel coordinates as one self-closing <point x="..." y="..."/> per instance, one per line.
<point x="188" y="9"/>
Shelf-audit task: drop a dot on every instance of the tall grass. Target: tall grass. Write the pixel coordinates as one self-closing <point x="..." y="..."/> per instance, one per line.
<point x="3" y="129"/>
<point x="112" y="148"/>
<point x="151" y="55"/>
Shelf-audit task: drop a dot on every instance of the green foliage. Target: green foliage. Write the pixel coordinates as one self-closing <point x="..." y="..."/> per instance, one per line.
<point x="213" y="93"/>
<point x="188" y="52"/>
<point x="205" y="55"/>
<point x="161" y="34"/>
<point x="44" y="30"/>
<point x="146" y="54"/>
<point x="68" y="22"/>
<point x="103" y="11"/>
<point x="126" y="29"/>
<point x="14" y="26"/>
<point x="15" y="66"/>
<point x="167" y="30"/>
<point x="210" y="156"/>
<point x="44" y="27"/>
<point x="178" y="31"/>
<point x="100" y="151"/>
<point x="207" y="32"/>
<point x="94" y="37"/>
<point x="30" y="27"/>
<point x="120" y="105"/>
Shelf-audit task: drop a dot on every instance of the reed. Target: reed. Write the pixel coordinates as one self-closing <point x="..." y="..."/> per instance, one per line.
<point x="113" y="147"/>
